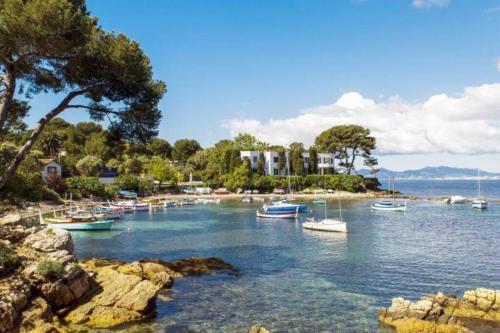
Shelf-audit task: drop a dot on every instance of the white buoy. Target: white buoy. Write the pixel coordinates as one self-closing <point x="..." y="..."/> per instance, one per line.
<point x="129" y="230"/>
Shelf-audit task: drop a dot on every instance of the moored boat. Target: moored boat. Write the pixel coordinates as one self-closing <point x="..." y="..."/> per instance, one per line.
<point x="330" y="225"/>
<point x="479" y="202"/>
<point x="284" y="206"/>
<point x="389" y="206"/>
<point x="319" y="201"/>
<point x="277" y="215"/>
<point x="77" y="222"/>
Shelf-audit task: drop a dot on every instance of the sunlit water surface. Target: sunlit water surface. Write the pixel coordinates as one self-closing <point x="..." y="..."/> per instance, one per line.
<point x="293" y="280"/>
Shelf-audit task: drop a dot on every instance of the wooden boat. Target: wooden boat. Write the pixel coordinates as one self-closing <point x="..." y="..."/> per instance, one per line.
<point x="77" y="222"/>
<point x="279" y="215"/>
<point x="330" y="225"/>
<point x="170" y="204"/>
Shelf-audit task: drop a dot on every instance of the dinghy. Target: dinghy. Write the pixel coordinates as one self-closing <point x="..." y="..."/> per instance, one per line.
<point x="390" y="205"/>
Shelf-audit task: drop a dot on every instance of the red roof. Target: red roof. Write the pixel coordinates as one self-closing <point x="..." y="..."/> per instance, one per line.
<point x="46" y="161"/>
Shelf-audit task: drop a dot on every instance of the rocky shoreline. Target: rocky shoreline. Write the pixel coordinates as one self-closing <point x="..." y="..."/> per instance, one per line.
<point x="442" y="313"/>
<point x="44" y="288"/>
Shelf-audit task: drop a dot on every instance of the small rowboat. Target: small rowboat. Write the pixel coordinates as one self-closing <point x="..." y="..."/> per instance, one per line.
<point x="278" y="215"/>
<point x="331" y="225"/>
<point x="282" y="206"/>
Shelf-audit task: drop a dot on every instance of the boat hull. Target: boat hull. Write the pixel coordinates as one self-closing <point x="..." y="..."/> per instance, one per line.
<point x="283" y="215"/>
<point x="389" y="208"/>
<point x="287" y="208"/>
<point x="480" y="205"/>
<point x="83" y="226"/>
<point x="327" y="226"/>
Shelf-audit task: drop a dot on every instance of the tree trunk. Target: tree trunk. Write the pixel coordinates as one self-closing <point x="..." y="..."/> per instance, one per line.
<point x="11" y="169"/>
<point x="6" y="100"/>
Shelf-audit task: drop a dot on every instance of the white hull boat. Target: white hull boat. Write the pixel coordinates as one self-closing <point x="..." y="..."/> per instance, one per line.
<point x="283" y="215"/>
<point x="330" y="225"/>
<point x="479" y="204"/>
<point x="389" y="206"/>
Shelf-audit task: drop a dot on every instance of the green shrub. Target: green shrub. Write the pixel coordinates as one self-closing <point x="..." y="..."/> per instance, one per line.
<point x="8" y="258"/>
<point x="140" y="185"/>
<point x="50" y="195"/>
<point x="50" y="268"/>
<point x="86" y="186"/>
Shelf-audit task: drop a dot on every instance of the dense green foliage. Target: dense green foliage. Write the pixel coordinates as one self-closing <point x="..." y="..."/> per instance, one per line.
<point x="86" y="186"/>
<point x="57" y="47"/>
<point x="50" y="269"/>
<point x="8" y="258"/>
<point x="347" y="142"/>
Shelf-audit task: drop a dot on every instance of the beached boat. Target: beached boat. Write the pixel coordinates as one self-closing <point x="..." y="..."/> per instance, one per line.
<point x="205" y="201"/>
<point x="131" y="205"/>
<point x="107" y="213"/>
<point x="278" y="215"/>
<point x="77" y="222"/>
<point x="185" y="202"/>
<point x="479" y="202"/>
<point x="247" y="200"/>
<point x="170" y="204"/>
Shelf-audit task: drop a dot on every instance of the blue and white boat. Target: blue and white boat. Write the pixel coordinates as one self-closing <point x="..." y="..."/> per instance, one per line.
<point x="389" y="206"/>
<point x="283" y="206"/>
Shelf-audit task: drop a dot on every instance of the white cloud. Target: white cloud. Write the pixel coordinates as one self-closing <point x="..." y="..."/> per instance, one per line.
<point x="430" y="3"/>
<point x="468" y="123"/>
<point x="498" y="64"/>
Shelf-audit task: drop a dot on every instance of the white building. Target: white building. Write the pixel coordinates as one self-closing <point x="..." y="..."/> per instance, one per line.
<point x="50" y="166"/>
<point x="326" y="162"/>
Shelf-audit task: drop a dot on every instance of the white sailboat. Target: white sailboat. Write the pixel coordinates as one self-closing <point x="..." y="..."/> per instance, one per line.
<point x="479" y="202"/>
<point x="387" y="205"/>
<point x="326" y="224"/>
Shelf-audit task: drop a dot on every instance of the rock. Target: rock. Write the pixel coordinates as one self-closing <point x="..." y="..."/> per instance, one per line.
<point x="10" y="219"/>
<point x="193" y="265"/>
<point x="14" y="297"/>
<point x="438" y="313"/>
<point x="39" y="318"/>
<point x="258" y="329"/>
<point x="50" y="240"/>
<point x="121" y="295"/>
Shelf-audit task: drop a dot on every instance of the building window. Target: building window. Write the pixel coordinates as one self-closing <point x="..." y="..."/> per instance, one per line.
<point x="306" y="159"/>
<point x="275" y="159"/>
<point x="255" y="159"/>
<point x="275" y="172"/>
<point x="51" y="169"/>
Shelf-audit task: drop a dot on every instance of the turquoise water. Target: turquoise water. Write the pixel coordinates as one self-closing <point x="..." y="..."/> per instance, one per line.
<point x="293" y="280"/>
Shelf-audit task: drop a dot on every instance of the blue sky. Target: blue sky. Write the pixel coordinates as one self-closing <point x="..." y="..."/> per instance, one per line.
<point x="229" y="61"/>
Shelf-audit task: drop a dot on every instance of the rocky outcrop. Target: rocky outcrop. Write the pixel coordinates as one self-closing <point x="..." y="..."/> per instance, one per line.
<point x="69" y="296"/>
<point x="127" y="292"/>
<point x="441" y="313"/>
<point x="258" y="329"/>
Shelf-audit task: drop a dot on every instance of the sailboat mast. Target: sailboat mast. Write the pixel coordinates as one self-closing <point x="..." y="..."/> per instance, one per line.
<point x="340" y="211"/>
<point x="393" y="189"/>
<point x="478" y="184"/>
<point x="288" y="172"/>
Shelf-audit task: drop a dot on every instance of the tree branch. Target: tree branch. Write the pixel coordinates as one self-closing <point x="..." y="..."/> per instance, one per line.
<point x="81" y="106"/>
<point x="11" y="169"/>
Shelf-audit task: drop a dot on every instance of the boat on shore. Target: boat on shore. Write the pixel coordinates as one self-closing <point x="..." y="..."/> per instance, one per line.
<point x="130" y="205"/>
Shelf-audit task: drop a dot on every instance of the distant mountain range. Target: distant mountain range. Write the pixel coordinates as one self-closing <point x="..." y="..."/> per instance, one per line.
<point x="441" y="172"/>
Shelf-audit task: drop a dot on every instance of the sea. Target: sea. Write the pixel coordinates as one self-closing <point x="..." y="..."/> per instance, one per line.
<point x="288" y="279"/>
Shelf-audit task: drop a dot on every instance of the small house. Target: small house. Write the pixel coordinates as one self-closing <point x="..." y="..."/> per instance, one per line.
<point x="50" y="166"/>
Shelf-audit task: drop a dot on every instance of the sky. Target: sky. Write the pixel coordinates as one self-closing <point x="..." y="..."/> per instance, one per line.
<point x="423" y="75"/>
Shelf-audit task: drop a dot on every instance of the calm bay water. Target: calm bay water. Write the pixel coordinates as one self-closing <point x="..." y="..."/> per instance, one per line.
<point x="293" y="280"/>
<point x="442" y="188"/>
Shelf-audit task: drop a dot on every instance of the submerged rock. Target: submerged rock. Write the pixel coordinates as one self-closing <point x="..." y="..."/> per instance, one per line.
<point x="258" y="329"/>
<point x="440" y="312"/>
